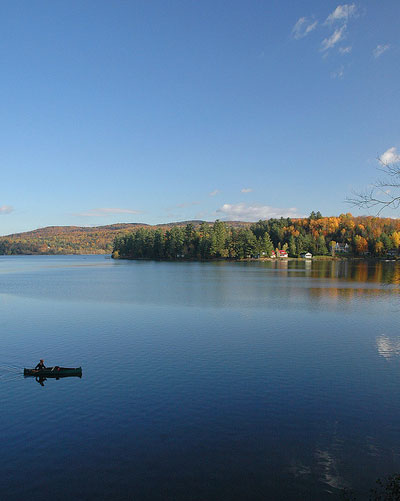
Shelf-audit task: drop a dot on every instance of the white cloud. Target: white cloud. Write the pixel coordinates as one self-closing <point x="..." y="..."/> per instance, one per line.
<point x="243" y="212"/>
<point x="380" y="49"/>
<point x="390" y="156"/>
<point x="331" y="41"/>
<point x="303" y="27"/>
<point x="213" y="193"/>
<point x="345" y="50"/>
<point x="246" y="190"/>
<point x="107" y="212"/>
<point x="339" y="73"/>
<point x="345" y="12"/>
<point x="6" y="209"/>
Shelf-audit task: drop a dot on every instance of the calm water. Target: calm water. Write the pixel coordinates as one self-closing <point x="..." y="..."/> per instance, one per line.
<point x="201" y="381"/>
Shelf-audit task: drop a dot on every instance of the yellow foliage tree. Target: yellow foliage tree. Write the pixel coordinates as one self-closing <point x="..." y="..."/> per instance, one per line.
<point x="379" y="247"/>
<point x="396" y="239"/>
<point x="361" y="244"/>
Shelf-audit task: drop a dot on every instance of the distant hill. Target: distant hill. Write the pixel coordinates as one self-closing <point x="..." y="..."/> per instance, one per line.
<point x="198" y="222"/>
<point x="78" y="239"/>
<point x="66" y="239"/>
<point x="57" y="230"/>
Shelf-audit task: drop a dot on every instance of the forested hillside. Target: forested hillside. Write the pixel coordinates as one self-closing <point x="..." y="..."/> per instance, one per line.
<point x="343" y="235"/>
<point x="65" y="240"/>
<point x="76" y="239"/>
<point x="359" y="236"/>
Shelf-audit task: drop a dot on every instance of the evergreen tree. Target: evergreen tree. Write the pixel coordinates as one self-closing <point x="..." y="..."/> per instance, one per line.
<point x="265" y="245"/>
<point x="301" y="245"/>
<point x="260" y="228"/>
<point x="218" y="240"/>
<point x="188" y="243"/>
<point x="321" y="248"/>
<point x="158" y="246"/>
<point x="205" y="241"/>
<point x="292" y="246"/>
<point x="246" y="244"/>
<point x="376" y="235"/>
<point x="387" y="242"/>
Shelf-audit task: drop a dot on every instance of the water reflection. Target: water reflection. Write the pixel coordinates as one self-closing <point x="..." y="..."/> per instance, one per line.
<point x="266" y="372"/>
<point x="267" y="285"/>
<point x="381" y="272"/>
<point x="41" y="380"/>
<point x="328" y="466"/>
<point x="344" y="294"/>
<point x="388" y="347"/>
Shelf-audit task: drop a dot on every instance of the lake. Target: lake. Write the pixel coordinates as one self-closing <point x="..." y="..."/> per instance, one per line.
<point x="201" y="381"/>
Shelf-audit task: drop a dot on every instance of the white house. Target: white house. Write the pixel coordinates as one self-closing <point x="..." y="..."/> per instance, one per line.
<point x="306" y="255"/>
<point x="342" y="247"/>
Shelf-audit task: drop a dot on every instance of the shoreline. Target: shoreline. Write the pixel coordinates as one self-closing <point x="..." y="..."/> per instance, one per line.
<point x="219" y="259"/>
<point x="262" y="259"/>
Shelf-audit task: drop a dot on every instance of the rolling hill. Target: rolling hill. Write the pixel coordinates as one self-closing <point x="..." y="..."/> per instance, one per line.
<point x="76" y="239"/>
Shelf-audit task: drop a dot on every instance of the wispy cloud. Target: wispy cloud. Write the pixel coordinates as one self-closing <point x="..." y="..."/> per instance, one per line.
<point x="201" y="215"/>
<point x="334" y="29"/>
<point x="303" y="27"/>
<point x="337" y="35"/>
<point x="101" y="212"/>
<point x="6" y="209"/>
<point x="390" y="156"/>
<point x="246" y="190"/>
<point x="339" y="73"/>
<point x="342" y="12"/>
<point x="183" y="205"/>
<point x="243" y="212"/>
<point x="213" y="193"/>
<point x="380" y="49"/>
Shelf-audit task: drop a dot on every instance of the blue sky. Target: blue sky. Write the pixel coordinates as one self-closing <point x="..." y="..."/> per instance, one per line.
<point x="154" y="111"/>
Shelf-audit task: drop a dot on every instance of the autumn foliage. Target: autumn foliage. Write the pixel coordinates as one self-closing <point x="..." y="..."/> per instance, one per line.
<point x="358" y="236"/>
<point x="362" y="236"/>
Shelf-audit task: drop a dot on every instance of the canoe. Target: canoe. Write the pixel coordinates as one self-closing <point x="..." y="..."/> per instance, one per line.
<point x="54" y="372"/>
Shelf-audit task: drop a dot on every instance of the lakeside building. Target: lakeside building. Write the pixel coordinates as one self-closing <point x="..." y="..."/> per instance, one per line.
<point x="342" y="247"/>
<point x="306" y="255"/>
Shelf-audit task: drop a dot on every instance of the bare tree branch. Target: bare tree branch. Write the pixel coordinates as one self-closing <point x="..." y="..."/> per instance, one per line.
<point x="384" y="193"/>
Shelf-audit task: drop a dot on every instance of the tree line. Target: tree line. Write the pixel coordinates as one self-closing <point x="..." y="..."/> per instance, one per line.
<point x="359" y="236"/>
<point x="319" y="235"/>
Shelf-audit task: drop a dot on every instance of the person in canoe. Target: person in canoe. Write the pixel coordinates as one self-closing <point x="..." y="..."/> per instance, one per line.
<point x="40" y="365"/>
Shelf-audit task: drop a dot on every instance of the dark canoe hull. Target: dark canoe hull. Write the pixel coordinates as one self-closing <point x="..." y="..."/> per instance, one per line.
<point x="54" y="372"/>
